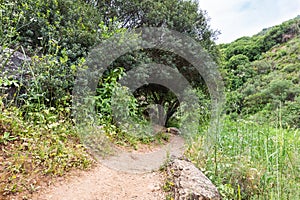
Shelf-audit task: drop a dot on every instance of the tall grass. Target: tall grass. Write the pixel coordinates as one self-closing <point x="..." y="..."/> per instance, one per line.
<point x="252" y="161"/>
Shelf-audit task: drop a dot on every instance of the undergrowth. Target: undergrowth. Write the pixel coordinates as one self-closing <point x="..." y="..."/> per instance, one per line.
<point x="251" y="161"/>
<point x="33" y="153"/>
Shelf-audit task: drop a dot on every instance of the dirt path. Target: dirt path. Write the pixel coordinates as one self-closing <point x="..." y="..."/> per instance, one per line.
<point x="146" y="160"/>
<point x="104" y="183"/>
<point x="129" y="175"/>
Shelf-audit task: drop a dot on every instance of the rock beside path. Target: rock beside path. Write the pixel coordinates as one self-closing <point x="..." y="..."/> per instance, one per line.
<point x="190" y="183"/>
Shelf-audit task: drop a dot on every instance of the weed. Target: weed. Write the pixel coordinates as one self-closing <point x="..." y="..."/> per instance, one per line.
<point x="252" y="161"/>
<point x="33" y="151"/>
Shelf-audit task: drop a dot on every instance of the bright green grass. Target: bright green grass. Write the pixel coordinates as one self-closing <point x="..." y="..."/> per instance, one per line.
<point x="252" y="161"/>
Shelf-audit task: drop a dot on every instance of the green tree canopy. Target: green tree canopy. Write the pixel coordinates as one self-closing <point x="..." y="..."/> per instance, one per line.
<point x="183" y="16"/>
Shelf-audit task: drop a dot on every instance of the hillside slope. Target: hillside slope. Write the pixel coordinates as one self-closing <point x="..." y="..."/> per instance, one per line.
<point x="262" y="74"/>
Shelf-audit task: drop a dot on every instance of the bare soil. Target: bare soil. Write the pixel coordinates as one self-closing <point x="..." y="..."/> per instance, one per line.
<point x="127" y="175"/>
<point x="104" y="183"/>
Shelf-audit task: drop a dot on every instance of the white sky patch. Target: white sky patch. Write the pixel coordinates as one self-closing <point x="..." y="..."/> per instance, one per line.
<point x="237" y="18"/>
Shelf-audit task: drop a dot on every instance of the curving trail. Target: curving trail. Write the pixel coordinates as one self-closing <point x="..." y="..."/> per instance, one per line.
<point x="128" y="175"/>
<point x="145" y="160"/>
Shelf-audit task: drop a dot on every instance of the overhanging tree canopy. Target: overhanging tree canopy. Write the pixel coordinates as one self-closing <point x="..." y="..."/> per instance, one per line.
<point x="180" y="15"/>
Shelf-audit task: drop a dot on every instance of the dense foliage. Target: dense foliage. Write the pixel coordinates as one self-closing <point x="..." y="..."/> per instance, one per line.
<point x="260" y="83"/>
<point x="55" y="37"/>
<point x="38" y="139"/>
<point x="181" y="16"/>
<point x="257" y="154"/>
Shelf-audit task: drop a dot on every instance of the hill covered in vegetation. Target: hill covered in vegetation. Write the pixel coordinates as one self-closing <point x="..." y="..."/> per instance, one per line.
<point x="257" y="156"/>
<point x="262" y="74"/>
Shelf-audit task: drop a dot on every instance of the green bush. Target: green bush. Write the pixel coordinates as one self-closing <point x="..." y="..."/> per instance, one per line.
<point x="105" y="90"/>
<point x="236" y="60"/>
<point x="45" y="22"/>
<point x="262" y="66"/>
